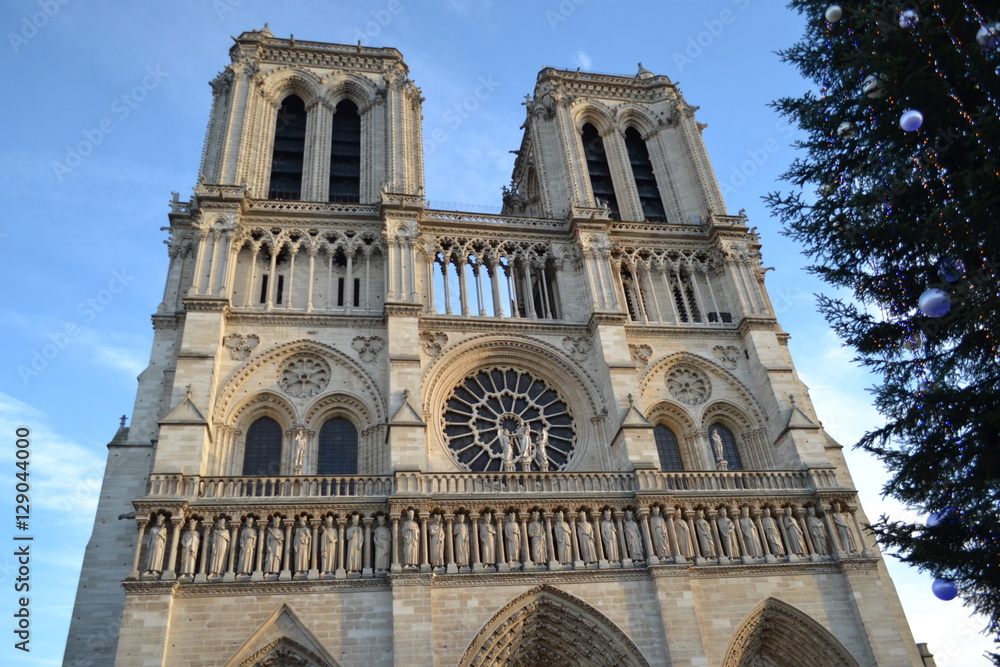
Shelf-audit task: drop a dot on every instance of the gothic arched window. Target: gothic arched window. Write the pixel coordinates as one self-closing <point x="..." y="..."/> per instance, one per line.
<point x="729" y="451"/>
<point x="262" y="449"/>
<point x="338" y="448"/>
<point x="645" y="179"/>
<point x="345" y="154"/>
<point x="289" y="148"/>
<point x="598" y="169"/>
<point x="667" y="448"/>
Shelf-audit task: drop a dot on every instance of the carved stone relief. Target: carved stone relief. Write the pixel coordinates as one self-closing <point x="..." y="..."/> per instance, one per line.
<point x="689" y="385"/>
<point x="728" y="355"/>
<point x="304" y="375"/>
<point x="241" y="346"/>
<point x="640" y="354"/>
<point x="433" y="342"/>
<point x="367" y="348"/>
<point x="577" y="346"/>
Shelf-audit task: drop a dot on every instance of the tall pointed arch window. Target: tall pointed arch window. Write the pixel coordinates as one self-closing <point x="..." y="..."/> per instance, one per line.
<point x="262" y="449"/>
<point x="345" y="154"/>
<point x="667" y="448"/>
<point x="598" y="169"/>
<point x="729" y="451"/>
<point x="289" y="149"/>
<point x="645" y="179"/>
<point x="338" y="448"/>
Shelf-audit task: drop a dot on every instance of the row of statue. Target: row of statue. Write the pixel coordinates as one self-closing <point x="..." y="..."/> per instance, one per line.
<point x="520" y="447"/>
<point x="355" y="546"/>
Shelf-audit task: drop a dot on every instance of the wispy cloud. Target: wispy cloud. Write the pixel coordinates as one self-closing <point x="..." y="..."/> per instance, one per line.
<point x="582" y="60"/>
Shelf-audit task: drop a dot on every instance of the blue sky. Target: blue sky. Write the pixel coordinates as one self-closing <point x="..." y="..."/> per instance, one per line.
<point x="106" y="115"/>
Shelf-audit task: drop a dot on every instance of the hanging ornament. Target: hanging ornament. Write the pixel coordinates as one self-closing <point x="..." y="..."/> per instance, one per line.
<point x="847" y="129"/>
<point x="874" y="85"/>
<point x="951" y="270"/>
<point x="934" y="302"/>
<point x="988" y="36"/>
<point x="944" y="589"/>
<point x="925" y="388"/>
<point x="909" y="19"/>
<point x="937" y="518"/>
<point x="913" y="342"/>
<point x="827" y="189"/>
<point x="911" y="120"/>
<point x="833" y="13"/>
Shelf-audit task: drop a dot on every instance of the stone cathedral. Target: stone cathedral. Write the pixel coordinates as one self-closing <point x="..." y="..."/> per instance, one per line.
<point x="375" y="433"/>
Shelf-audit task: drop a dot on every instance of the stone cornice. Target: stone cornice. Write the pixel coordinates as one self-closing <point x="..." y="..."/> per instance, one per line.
<point x="278" y="587"/>
<point x="473" y="324"/>
<point x="748" y="324"/>
<point x="245" y="317"/>
<point x="641" y="332"/>
<point x="206" y="304"/>
<point x="164" y="321"/>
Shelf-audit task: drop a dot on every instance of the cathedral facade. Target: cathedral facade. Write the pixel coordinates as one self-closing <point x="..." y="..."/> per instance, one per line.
<point x="376" y="433"/>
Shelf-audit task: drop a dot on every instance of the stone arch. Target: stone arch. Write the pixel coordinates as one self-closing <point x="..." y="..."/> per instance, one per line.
<point x="751" y="406"/>
<point x="548" y="626"/>
<point x="679" y="420"/>
<point x="340" y="86"/>
<point x="547" y="362"/>
<point x="637" y="117"/>
<point x="264" y="404"/>
<point x="597" y="114"/>
<point x="282" y="640"/>
<point x="373" y="399"/>
<point x="279" y="84"/>
<point x="775" y="634"/>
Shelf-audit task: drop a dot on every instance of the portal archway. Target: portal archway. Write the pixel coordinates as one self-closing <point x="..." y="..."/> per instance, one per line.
<point x="551" y="628"/>
<point x="775" y="634"/>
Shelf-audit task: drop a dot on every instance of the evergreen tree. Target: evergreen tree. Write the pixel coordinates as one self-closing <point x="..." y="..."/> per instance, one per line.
<point x="905" y="222"/>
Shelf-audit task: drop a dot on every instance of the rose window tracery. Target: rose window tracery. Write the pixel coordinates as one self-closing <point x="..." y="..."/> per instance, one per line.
<point x="304" y="376"/>
<point x="689" y="386"/>
<point x="525" y="407"/>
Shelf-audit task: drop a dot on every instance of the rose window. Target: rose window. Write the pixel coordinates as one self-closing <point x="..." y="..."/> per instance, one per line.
<point x="688" y="386"/>
<point x="495" y="419"/>
<point x="304" y="376"/>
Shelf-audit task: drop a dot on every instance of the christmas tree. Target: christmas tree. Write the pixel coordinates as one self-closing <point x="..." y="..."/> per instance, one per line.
<point x="897" y="203"/>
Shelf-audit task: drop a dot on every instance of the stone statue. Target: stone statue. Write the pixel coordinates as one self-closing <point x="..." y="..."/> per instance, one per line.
<point x="508" y="451"/>
<point x="220" y="547"/>
<point x="542" y="451"/>
<point x="585" y="535"/>
<point x="751" y="539"/>
<point x="717" y="449"/>
<point x="536" y="537"/>
<point x="727" y="534"/>
<point x="248" y="548"/>
<point x="563" y="538"/>
<point x="632" y="538"/>
<point x="300" y="450"/>
<point x="794" y="533"/>
<point x="843" y="532"/>
<point x="772" y="533"/>
<point x="189" y="548"/>
<point x="527" y="449"/>
<point x="817" y="531"/>
<point x="355" y="541"/>
<point x="383" y="540"/>
<point x="460" y="538"/>
<point x="303" y="541"/>
<point x="435" y="541"/>
<point x="706" y="541"/>
<point x="658" y="528"/>
<point x="684" y="545"/>
<point x="609" y="536"/>
<point x="512" y="533"/>
<point x="411" y="540"/>
<point x="157" y="546"/>
<point x="487" y="540"/>
<point x="328" y="537"/>
<point x="275" y="546"/>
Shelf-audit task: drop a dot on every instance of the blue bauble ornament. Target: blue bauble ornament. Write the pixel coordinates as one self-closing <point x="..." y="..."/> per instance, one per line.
<point x="909" y="19"/>
<point x="951" y="270"/>
<point x="934" y="302"/>
<point x="937" y="518"/>
<point x="944" y="589"/>
<point x="911" y="120"/>
<point x="988" y="36"/>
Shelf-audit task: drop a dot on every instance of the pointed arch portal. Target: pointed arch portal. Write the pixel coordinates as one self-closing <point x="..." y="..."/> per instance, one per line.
<point x="776" y="634"/>
<point x="548" y="627"/>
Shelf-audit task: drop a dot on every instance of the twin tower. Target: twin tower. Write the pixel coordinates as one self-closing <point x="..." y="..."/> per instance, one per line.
<point x="376" y="433"/>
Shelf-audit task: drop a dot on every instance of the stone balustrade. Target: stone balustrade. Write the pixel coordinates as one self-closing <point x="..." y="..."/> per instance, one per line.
<point x="739" y="482"/>
<point x="231" y="529"/>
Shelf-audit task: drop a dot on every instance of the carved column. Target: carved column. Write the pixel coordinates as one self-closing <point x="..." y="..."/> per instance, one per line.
<point x="314" y="557"/>
<point x="647" y="537"/>
<point x="134" y="572"/>
<point x="234" y="529"/>
<point x="525" y="541"/>
<point x="574" y="542"/>
<point x="500" y="545"/>
<point x="258" y="573"/>
<point x="286" y="557"/>
<point x="341" y="572"/>
<point x="595" y="521"/>
<point x="865" y="551"/>
<point x="425" y="566"/>
<point x="672" y="537"/>
<point x="171" y="560"/>
<point x="450" y="566"/>
<point x="206" y="528"/>
<point x="395" y="566"/>
<point x="477" y="565"/>
<point x="367" y="568"/>
<point x="550" y="544"/>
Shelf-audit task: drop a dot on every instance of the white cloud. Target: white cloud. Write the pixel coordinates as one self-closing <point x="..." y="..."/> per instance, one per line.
<point x="582" y="60"/>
